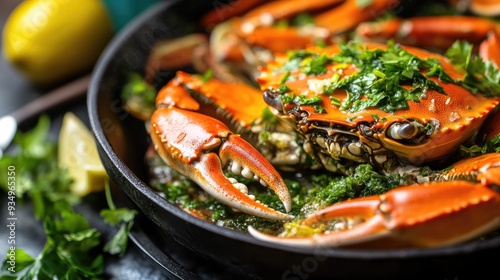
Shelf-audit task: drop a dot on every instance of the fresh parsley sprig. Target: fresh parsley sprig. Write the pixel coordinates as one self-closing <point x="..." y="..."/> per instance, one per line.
<point x="122" y="217"/>
<point x="480" y="76"/>
<point x="73" y="249"/>
<point x="68" y="253"/>
<point x="39" y="178"/>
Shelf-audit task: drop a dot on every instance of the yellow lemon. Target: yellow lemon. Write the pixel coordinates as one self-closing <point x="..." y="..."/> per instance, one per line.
<point x="53" y="40"/>
<point x="78" y="154"/>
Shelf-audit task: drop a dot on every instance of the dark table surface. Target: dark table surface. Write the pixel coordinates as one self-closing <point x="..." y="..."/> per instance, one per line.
<point x="15" y="91"/>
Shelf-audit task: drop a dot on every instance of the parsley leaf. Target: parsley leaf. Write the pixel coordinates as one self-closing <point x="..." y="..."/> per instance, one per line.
<point x="40" y="178"/>
<point x="67" y="254"/>
<point x="123" y="217"/>
<point x="139" y="96"/>
<point x="72" y="249"/>
<point x="490" y="146"/>
<point x="316" y="65"/>
<point x="480" y="76"/>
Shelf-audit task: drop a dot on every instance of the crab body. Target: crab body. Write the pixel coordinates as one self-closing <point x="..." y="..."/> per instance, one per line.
<point x="428" y="130"/>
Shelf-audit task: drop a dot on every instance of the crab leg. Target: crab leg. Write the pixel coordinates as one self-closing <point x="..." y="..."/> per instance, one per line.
<point x="432" y="31"/>
<point x="255" y="28"/>
<point x="349" y="14"/>
<point x="411" y="216"/>
<point x="173" y="54"/>
<point x="367" y="207"/>
<point x="490" y="48"/>
<point x="485" y="7"/>
<point x="226" y="11"/>
<point x="269" y="13"/>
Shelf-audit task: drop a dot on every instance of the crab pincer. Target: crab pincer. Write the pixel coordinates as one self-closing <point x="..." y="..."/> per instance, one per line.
<point x="410" y="216"/>
<point x="199" y="146"/>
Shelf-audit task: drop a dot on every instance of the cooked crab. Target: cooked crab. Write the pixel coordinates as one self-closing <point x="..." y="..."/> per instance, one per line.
<point x="394" y="107"/>
<point x="350" y="111"/>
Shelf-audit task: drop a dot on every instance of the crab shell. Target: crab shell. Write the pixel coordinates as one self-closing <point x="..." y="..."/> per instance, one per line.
<point x="456" y="115"/>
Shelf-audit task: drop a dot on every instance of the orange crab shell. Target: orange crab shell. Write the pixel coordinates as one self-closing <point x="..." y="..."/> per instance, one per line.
<point x="459" y="112"/>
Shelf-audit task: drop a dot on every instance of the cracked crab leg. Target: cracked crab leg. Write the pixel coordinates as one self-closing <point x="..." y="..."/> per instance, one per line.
<point x="410" y="216"/>
<point x="172" y="54"/>
<point x="189" y="141"/>
<point x="256" y="27"/>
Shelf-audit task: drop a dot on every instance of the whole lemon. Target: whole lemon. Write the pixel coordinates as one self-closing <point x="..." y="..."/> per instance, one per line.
<point x="52" y="40"/>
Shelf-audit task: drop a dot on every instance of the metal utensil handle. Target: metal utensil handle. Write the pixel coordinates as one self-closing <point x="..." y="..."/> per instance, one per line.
<point x="66" y="93"/>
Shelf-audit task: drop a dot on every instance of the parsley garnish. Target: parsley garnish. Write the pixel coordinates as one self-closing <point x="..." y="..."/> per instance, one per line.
<point x="67" y="254"/>
<point x="73" y="249"/>
<point x="380" y="80"/>
<point x="308" y="62"/>
<point x="315" y="101"/>
<point x="381" y="76"/>
<point x="480" y="76"/>
<point x="139" y="96"/>
<point x="40" y="179"/>
<point x="205" y="77"/>
<point x="316" y="65"/>
<point x="122" y="217"/>
<point x="490" y="146"/>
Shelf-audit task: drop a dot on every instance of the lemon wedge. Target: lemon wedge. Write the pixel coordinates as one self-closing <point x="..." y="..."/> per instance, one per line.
<point x="77" y="152"/>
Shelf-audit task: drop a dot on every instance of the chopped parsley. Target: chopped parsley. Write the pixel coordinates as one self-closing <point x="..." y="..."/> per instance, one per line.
<point x="388" y="79"/>
<point x="490" y="146"/>
<point x="139" y="96"/>
<point x="316" y="66"/>
<point x="302" y="19"/>
<point x="315" y="101"/>
<point x="205" y="77"/>
<point x="364" y="182"/>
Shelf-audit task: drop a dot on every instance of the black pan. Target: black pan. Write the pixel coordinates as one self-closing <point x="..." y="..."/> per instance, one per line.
<point x="122" y="141"/>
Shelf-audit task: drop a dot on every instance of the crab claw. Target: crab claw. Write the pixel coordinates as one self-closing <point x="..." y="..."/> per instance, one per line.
<point x="489" y="48"/>
<point x="189" y="142"/>
<point x="408" y="216"/>
<point x="359" y="208"/>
